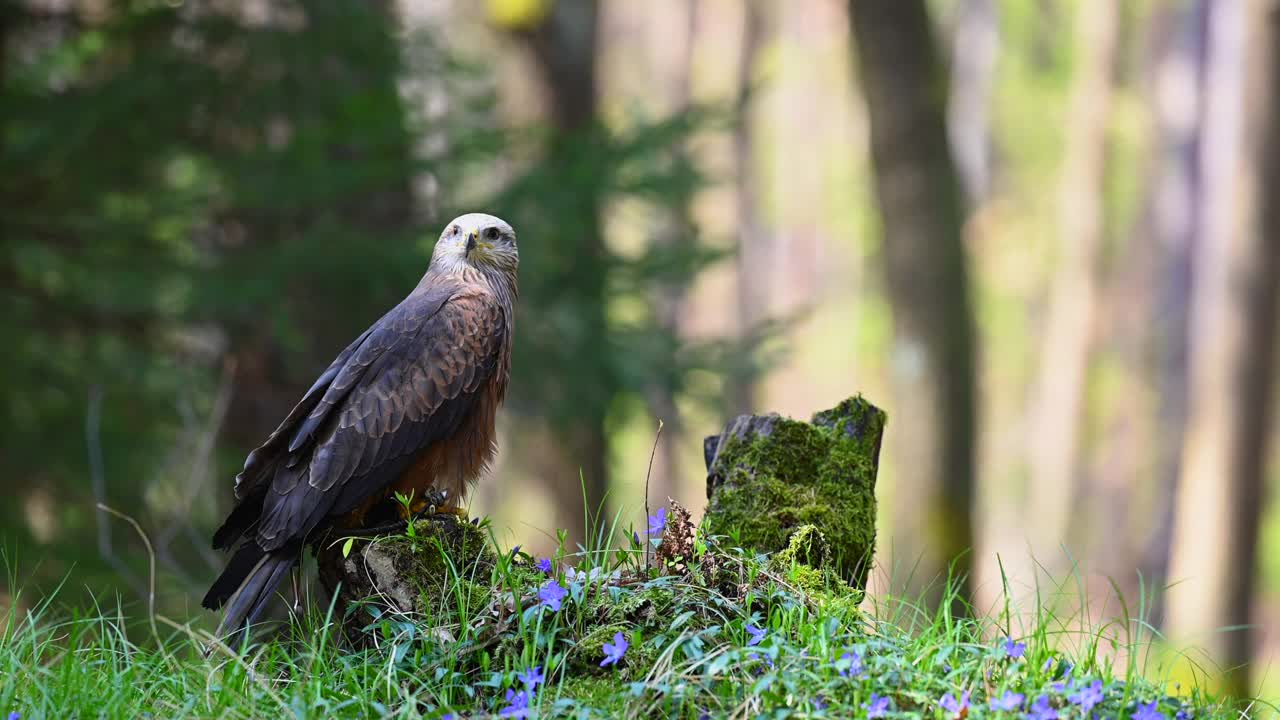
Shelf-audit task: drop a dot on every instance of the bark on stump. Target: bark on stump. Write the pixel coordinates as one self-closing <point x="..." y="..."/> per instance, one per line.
<point x="769" y="476"/>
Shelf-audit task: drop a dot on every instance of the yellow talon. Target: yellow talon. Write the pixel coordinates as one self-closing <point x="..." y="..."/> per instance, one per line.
<point x="415" y="508"/>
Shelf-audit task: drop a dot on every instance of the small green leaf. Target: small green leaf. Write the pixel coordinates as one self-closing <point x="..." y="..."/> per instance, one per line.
<point x="764" y="683"/>
<point x="720" y="663"/>
<point x="346" y="546"/>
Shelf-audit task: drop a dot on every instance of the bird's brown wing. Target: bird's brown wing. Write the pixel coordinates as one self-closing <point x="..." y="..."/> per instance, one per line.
<point x="416" y="390"/>
<point x="410" y="383"/>
<point x="261" y="465"/>
<point x="258" y="466"/>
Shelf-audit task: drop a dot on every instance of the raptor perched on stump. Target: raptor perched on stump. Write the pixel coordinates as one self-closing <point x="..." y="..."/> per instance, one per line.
<point x="409" y="407"/>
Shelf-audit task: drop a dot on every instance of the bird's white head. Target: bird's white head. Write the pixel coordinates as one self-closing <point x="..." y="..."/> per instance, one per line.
<point x="476" y="240"/>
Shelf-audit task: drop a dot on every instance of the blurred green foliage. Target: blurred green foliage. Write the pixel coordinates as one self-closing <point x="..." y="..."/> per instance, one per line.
<point x="180" y="186"/>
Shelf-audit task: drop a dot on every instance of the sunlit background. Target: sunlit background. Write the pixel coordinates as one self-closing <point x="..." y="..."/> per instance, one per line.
<point x="1039" y="233"/>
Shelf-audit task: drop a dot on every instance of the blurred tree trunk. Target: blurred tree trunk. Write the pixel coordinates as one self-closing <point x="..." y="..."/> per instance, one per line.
<point x="1174" y="211"/>
<point x="677" y="227"/>
<point x="1058" y="398"/>
<point x="753" y="249"/>
<point x="975" y="43"/>
<point x="932" y="366"/>
<point x="564" y="43"/>
<point x="1233" y="321"/>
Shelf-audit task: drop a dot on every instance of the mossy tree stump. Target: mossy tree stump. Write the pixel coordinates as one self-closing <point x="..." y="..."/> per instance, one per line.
<point x="428" y="571"/>
<point x="768" y="476"/>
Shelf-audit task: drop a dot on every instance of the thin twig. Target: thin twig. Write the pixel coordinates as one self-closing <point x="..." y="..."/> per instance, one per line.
<point x="97" y="475"/>
<point x="98" y="484"/>
<point x="151" y="559"/>
<point x="649" y="472"/>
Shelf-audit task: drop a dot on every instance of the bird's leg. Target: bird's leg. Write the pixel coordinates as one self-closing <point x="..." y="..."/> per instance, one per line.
<point x="442" y="508"/>
<point x="434" y="503"/>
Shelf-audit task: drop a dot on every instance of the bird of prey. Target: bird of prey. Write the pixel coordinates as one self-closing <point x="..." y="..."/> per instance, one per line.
<point x="408" y="407"/>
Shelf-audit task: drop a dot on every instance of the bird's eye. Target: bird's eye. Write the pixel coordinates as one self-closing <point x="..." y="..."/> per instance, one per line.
<point x="455" y="230"/>
<point x="492" y="233"/>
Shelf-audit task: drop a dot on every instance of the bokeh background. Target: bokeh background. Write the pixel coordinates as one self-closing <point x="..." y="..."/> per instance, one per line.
<point x="1042" y="234"/>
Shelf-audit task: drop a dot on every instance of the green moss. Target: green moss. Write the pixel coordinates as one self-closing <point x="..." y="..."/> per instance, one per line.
<point x="806" y="565"/>
<point x="467" y="544"/>
<point x="811" y="581"/>
<point x="598" y="693"/>
<point x="645" y="606"/>
<point x="646" y="609"/>
<point x="464" y="597"/>
<point x="589" y="650"/>
<point x="448" y="563"/>
<point x="806" y="546"/>
<point x="820" y="474"/>
<point x="825" y="589"/>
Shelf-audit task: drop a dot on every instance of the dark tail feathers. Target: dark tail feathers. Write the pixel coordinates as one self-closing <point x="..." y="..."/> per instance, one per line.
<point x="246" y="585"/>
<point x="242" y="517"/>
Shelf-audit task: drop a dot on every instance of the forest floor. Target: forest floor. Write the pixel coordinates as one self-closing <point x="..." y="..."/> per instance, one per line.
<point x="637" y="631"/>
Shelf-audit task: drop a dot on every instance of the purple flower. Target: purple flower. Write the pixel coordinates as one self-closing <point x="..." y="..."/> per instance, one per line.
<point x="1063" y="686"/>
<point x="953" y="706"/>
<point x="1009" y="701"/>
<point x="855" y="668"/>
<point x="1047" y="664"/>
<point x="15" y="715"/>
<point x="532" y="678"/>
<point x="517" y="705"/>
<point x="635" y="538"/>
<point x="1183" y="714"/>
<point x="658" y="522"/>
<point x="877" y="707"/>
<point x="551" y="594"/>
<point x="1147" y="712"/>
<point x="1013" y="649"/>
<point x="1089" y="696"/>
<point x="1041" y="710"/>
<point x="757" y="634"/>
<point x="613" y="653"/>
<point x="544" y="564"/>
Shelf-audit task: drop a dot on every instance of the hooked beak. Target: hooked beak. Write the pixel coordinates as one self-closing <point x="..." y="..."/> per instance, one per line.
<point x="471" y="241"/>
